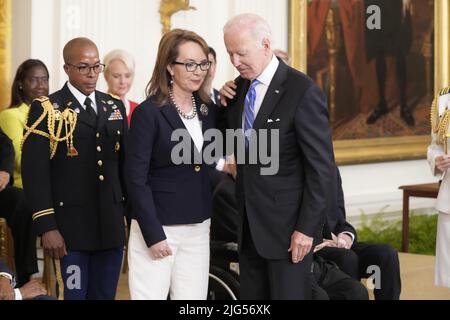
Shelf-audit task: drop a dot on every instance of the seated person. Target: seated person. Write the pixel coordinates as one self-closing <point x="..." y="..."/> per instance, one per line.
<point x="355" y="257"/>
<point x="13" y="209"/>
<point x="31" y="290"/>
<point x="328" y="281"/>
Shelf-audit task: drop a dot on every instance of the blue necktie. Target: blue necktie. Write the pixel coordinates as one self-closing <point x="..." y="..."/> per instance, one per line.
<point x="250" y="110"/>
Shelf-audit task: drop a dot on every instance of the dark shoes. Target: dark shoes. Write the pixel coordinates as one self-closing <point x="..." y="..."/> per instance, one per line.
<point x="382" y="109"/>
<point x="379" y="111"/>
<point x="407" y="116"/>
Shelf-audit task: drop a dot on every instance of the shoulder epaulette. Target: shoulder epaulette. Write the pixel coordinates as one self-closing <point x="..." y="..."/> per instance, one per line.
<point x="444" y="91"/>
<point x="42" y="99"/>
<point x="114" y="96"/>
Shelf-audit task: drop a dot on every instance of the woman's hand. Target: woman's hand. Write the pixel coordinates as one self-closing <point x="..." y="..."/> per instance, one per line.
<point x="160" y="250"/>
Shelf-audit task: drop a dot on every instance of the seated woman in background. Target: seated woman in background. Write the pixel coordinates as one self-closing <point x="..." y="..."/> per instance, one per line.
<point x="119" y="75"/>
<point x="30" y="82"/>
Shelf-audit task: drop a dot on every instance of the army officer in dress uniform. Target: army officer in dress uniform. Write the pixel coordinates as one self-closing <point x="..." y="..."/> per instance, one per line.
<point x="72" y="175"/>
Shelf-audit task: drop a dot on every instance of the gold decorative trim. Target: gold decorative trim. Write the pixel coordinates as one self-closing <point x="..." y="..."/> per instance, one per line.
<point x="42" y="213"/>
<point x="167" y="8"/>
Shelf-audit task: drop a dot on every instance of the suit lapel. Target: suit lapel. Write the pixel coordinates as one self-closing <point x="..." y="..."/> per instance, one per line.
<point x="71" y="102"/>
<point x="273" y="95"/>
<point x="172" y="117"/>
<point x="239" y="104"/>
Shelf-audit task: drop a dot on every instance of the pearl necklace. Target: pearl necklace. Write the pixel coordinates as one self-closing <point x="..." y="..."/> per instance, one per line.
<point x="181" y="113"/>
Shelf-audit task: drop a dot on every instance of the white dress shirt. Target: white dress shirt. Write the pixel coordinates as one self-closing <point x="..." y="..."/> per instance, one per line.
<point x="81" y="97"/>
<point x="264" y="78"/>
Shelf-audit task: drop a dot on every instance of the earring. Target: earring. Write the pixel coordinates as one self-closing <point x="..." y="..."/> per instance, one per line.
<point x="171" y="79"/>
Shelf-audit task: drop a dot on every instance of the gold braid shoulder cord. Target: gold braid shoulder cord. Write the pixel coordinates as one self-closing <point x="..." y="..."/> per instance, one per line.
<point x="68" y="117"/>
<point x="439" y="124"/>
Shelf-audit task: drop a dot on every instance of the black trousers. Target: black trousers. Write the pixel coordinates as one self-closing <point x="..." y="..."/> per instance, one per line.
<point x="358" y="262"/>
<point x="263" y="279"/>
<point x="13" y="209"/>
<point x="331" y="283"/>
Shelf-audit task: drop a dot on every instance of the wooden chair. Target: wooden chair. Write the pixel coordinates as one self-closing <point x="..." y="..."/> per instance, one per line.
<point x="6" y="244"/>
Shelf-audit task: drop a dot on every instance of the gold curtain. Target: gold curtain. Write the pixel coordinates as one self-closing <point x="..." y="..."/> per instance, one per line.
<point x="5" y="52"/>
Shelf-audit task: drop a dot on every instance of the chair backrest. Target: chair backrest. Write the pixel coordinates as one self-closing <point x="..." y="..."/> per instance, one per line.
<point x="6" y="244"/>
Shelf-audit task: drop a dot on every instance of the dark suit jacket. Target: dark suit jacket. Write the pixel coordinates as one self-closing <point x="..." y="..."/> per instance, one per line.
<point x="336" y="217"/>
<point x="82" y="196"/>
<point x="6" y="155"/>
<point x="297" y="196"/>
<point x="162" y="192"/>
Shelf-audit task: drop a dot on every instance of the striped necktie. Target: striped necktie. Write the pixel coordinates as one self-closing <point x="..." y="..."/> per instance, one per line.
<point x="249" y="105"/>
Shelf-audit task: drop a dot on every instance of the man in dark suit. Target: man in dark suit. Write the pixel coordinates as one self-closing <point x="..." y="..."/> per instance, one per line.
<point x="394" y="39"/>
<point x="76" y="191"/>
<point x="357" y="259"/>
<point x="13" y="209"/>
<point x="283" y="211"/>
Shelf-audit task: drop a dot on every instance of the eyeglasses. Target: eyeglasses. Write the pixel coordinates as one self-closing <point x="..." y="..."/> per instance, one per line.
<point x="98" y="68"/>
<point x="192" y="66"/>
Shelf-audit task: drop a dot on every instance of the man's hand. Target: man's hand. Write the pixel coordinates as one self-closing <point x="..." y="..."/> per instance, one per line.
<point x="227" y="91"/>
<point x="443" y="162"/>
<point x="161" y="250"/>
<point x="4" y="180"/>
<point x="300" y="246"/>
<point x="32" y="289"/>
<point x="325" y="243"/>
<point x="54" y="245"/>
<point x="6" y="290"/>
<point x="230" y="167"/>
<point x="344" y="241"/>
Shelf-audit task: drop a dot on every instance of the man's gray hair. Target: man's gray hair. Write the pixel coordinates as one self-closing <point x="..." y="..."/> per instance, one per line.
<point x="258" y="27"/>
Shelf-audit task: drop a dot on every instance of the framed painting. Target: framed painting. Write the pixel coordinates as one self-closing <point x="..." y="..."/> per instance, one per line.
<point x="380" y="63"/>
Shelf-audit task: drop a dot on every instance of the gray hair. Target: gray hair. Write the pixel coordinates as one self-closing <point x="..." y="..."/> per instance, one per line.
<point x="120" y="55"/>
<point x="258" y="27"/>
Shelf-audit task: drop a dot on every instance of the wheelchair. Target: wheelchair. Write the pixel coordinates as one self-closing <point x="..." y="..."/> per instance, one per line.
<point x="223" y="271"/>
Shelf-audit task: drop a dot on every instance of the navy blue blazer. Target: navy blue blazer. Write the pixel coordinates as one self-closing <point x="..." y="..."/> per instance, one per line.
<point x="162" y="192"/>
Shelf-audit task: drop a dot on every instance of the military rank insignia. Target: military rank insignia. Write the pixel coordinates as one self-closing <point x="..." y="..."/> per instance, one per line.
<point x="115" y="115"/>
<point x="204" y="109"/>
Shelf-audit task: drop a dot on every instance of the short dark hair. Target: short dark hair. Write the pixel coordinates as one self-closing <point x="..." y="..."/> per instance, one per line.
<point x="17" y="95"/>
<point x="213" y="52"/>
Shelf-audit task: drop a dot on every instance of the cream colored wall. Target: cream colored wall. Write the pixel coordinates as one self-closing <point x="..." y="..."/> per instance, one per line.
<point x="42" y="27"/>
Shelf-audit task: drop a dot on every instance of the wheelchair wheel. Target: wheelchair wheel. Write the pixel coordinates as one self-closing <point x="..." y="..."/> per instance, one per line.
<point x="223" y="285"/>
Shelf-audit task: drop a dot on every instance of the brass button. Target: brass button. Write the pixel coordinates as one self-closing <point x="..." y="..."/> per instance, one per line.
<point x="98" y="135"/>
<point x="99" y="149"/>
<point x="100" y="163"/>
<point x="101" y="178"/>
<point x="197" y="168"/>
<point x="61" y="204"/>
